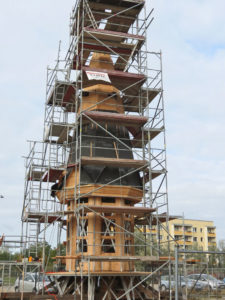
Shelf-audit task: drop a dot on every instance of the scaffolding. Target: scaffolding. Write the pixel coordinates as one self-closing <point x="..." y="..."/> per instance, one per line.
<point x="11" y="264"/>
<point x="118" y="29"/>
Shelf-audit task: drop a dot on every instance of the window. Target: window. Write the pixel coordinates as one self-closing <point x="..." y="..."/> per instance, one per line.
<point x="201" y="239"/>
<point x="68" y="230"/>
<point x="108" y="237"/>
<point x="177" y="228"/>
<point x="84" y="200"/>
<point x="108" y="200"/>
<point x="29" y="278"/>
<point x="194" y="229"/>
<point x="195" y="239"/>
<point x="200" y="229"/>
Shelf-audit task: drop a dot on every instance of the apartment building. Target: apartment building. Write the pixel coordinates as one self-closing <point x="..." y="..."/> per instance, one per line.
<point x="190" y="233"/>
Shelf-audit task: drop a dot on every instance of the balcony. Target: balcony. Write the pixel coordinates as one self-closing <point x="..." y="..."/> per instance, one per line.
<point x="185" y="242"/>
<point x="211" y="234"/>
<point x="189" y="233"/>
<point x="211" y="243"/>
<point x="178" y="232"/>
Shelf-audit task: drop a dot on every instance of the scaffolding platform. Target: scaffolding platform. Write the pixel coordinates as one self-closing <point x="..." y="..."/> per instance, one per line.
<point x="41" y="218"/>
<point x="112" y="258"/>
<point x="94" y="274"/>
<point x="124" y="45"/>
<point x="32" y="296"/>
<point x="132" y="210"/>
<point x="64" y="93"/>
<point x="132" y="122"/>
<point x="123" y="81"/>
<point x="142" y="137"/>
<point x="113" y="162"/>
<point x="121" y="14"/>
<point x="139" y="101"/>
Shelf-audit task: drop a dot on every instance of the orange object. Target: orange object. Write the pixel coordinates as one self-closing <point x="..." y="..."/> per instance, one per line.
<point x="1" y="240"/>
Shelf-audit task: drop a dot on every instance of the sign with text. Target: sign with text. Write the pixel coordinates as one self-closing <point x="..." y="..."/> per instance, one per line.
<point x="91" y="75"/>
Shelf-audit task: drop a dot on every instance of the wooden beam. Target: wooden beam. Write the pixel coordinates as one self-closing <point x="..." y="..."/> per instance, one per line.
<point x="113" y="162"/>
<point x="134" y="210"/>
<point x="111" y="258"/>
<point x="125" y="120"/>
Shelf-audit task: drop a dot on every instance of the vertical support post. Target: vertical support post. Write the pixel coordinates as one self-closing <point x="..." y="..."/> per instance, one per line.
<point x="176" y="250"/>
<point x="91" y="287"/>
<point x="43" y="256"/>
<point x="3" y="277"/>
<point x="23" y="275"/>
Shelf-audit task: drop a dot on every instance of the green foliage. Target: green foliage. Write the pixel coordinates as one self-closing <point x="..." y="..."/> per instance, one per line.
<point x="36" y="252"/>
<point x="145" y="245"/>
<point x="8" y="256"/>
<point x="45" y="250"/>
<point x="5" y="255"/>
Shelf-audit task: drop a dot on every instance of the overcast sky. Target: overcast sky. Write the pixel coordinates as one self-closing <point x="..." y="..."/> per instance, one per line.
<point x="190" y="34"/>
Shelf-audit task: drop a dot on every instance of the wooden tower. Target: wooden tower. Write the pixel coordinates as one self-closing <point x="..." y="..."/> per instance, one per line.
<point x="105" y="184"/>
<point x="105" y="223"/>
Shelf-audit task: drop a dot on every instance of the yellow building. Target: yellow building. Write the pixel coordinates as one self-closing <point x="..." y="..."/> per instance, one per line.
<point x="189" y="233"/>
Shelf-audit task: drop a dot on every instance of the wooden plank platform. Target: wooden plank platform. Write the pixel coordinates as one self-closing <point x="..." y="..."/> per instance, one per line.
<point x="131" y="101"/>
<point x="129" y="82"/>
<point x="94" y="274"/>
<point x="133" y="210"/>
<point x="110" y="42"/>
<point x="113" y="162"/>
<point x="17" y="296"/>
<point x="120" y="14"/>
<point x="41" y="218"/>
<point x="122" y="4"/>
<point x="31" y="296"/>
<point x="57" y="297"/>
<point x="132" y="122"/>
<point x="137" y="140"/>
<point x="112" y="36"/>
<point x="113" y="43"/>
<point x="112" y="258"/>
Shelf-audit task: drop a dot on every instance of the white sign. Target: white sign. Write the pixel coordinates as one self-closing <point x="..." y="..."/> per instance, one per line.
<point x="98" y="76"/>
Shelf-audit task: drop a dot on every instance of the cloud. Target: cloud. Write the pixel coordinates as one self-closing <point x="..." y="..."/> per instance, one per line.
<point x="30" y="32"/>
<point x="191" y="34"/>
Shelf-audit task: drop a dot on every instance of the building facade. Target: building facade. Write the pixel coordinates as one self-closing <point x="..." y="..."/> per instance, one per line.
<point x="189" y="233"/>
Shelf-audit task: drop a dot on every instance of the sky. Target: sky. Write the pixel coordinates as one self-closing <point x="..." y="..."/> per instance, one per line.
<point x="191" y="37"/>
